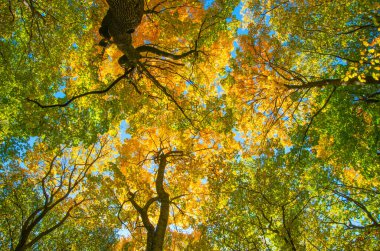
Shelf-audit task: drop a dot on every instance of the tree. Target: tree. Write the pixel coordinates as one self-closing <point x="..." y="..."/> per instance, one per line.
<point x="40" y="57"/>
<point x="155" y="234"/>
<point x="231" y="125"/>
<point x="45" y="190"/>
<point x="296" y="63"/>
<point x="290" y="203"/>
<point x="160" y="207"/>
<point x="138" y="59"/>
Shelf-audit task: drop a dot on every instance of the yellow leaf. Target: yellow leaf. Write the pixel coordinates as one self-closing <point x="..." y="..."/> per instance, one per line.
<point x="362" y="80"/>
<point x="375" y="76"/>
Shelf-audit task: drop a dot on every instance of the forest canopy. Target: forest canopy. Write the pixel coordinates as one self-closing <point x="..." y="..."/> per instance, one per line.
<point x="189" y="125"/>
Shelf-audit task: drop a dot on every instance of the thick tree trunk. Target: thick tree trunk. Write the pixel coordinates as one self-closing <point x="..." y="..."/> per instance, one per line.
<point x="150" y="241"/>
<point x="159" y="235"/>
<point x="125" y="15"/>
<point x="21" y="245"/>
<point x="121" y="20"/>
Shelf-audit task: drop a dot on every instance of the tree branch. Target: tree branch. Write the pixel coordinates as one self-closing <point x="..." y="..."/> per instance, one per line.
<point x="316" y="114"/>
<point x="158" y="52"/>
<point x="164" y="90"/>
<point x="83" y="94"/>
<point x="335" y="82"/>
<point x="360" y="205"/>
<point x="51" y="229"/>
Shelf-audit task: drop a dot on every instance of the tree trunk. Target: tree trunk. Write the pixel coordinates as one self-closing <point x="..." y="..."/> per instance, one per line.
<point x="159" y="235"/>
<point x="156" y="242"/>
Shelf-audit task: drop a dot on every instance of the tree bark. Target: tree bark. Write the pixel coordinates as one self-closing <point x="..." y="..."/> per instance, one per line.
<point x="163" y="197"/>
<point x="155" y="234"/>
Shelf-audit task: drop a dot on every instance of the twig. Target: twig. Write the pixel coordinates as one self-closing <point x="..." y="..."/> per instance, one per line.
<point x="164" y="90"/>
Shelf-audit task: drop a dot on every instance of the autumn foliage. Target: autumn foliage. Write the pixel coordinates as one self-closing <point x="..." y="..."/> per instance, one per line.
<point x="205" y="125"/>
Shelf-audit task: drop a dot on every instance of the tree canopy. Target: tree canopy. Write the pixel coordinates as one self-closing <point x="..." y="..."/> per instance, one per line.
<point x="189" y="125"/>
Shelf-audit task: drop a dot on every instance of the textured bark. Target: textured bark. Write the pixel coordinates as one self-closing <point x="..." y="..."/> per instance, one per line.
<point x="125" y="15"/>
<point x="121" y="20"/>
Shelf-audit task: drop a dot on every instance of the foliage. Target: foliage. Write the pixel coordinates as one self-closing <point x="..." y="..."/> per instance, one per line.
<point x="50" y="189"/>
<point x="284" y="202"/>
<point x="214" y="125"/>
